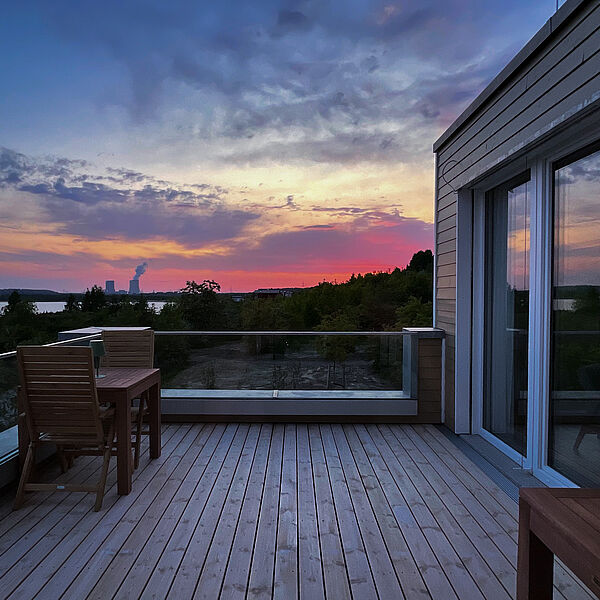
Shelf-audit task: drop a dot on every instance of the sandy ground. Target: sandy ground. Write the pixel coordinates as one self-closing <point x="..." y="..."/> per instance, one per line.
<point x="231" y="366"/>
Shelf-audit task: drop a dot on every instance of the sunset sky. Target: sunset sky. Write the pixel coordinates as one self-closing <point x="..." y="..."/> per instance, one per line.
<point x="261" y="144"/>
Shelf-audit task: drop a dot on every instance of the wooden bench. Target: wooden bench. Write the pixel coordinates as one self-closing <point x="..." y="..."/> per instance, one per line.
<point x="557" y="521"/>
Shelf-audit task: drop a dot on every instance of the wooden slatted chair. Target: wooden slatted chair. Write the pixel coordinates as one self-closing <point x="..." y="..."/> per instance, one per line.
<point x="58" y="394"/>
<point x="131" y="348"/>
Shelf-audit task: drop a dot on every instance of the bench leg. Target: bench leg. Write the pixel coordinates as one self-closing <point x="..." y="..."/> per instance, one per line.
<point x="535" y="564"/>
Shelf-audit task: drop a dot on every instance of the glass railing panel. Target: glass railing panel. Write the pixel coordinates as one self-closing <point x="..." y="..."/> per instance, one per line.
<point x="249" y="361"/>
<point x="9" y="381"/>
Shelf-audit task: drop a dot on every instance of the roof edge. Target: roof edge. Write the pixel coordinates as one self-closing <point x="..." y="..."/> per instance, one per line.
<point x="554" y="23"/>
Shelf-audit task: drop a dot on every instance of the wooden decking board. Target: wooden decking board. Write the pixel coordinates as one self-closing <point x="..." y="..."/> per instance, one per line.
<point x="333" y="559"/>
<point x="391" y="563"/>
<point x="438" y="585"/>
<point x="463" y="585"/>
<point x="407" y="571"/>
<point x="260" y="581"/>
<point x="237" y="570"/>
<point x="310" y="567"/>
<point x="97" y="551"/>
<point x="209" y="583"/>
<point x="58" y="572"/>
<point x="362" y="582"/>
<point x="30" y="567"/>
<point x="461" y="530"/>
<point x="111" y="545"/>
<point x="20" y="567"/>
<point x="155" y="522"/>
<point x="295" y="511"/>
<point x="285" y="575"/>
<point x="190" y="567"/>
<point x="161" y="577"/>
<point x="144" y="562"/>
<point x="567" y="586"/>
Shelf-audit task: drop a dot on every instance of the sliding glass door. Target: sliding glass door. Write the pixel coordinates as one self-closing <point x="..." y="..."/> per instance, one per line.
<point x="507" y="313"/>
<point x="574" y="428"/>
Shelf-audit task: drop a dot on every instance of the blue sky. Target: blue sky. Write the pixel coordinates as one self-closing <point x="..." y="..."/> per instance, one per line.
<point x="262" y="143"/>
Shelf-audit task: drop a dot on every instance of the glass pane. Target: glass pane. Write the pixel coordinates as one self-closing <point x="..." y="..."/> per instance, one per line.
<point x="9" y="381"/>
<point x="507" y="315"/>
<point x="281" y="362"/>
<point x="574" y="431"/>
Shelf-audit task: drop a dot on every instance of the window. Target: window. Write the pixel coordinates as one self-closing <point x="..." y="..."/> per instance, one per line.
<point x="574" y="428"/>
<point x="507" y="313"/>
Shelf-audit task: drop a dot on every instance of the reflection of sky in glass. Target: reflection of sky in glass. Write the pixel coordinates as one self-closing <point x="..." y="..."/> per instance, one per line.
<point x="517" y="257"/>
<point x="577" y="219"/>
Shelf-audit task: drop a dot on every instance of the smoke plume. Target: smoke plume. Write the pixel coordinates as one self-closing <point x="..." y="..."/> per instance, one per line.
<point x="140" y="270"/>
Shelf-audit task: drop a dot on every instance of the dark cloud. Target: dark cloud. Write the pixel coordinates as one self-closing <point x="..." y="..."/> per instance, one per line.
<point x="96" y="210"/>
<point x="394" y="73"/>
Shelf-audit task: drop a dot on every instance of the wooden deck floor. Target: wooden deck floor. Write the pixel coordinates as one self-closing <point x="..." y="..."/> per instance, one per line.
<point x="275" y="511"/>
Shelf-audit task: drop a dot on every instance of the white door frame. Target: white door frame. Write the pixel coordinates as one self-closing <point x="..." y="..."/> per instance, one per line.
<point x="470" y="345"/>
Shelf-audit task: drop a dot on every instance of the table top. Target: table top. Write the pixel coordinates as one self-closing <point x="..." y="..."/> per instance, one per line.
<point x="574" y="513"/>
<point x="119" y="378"/>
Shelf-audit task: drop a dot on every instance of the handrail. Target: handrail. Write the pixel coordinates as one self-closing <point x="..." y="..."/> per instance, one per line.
<point x="235" y="333"/>
<point x="61" y="343"/>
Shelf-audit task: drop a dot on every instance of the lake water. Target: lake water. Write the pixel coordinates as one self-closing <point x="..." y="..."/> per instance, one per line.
<point x="52" y="307"/>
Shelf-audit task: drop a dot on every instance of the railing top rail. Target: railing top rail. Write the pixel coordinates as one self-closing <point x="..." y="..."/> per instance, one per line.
<point x="85" y="338"/>
<point x="236" y="333"/>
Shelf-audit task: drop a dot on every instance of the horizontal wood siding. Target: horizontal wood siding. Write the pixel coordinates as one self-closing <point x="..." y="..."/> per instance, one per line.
<point x="550" y="88"/>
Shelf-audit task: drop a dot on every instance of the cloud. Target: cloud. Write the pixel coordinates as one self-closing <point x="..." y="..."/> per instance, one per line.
<point x="301" y="79"/>
<point x="131" y="205"/>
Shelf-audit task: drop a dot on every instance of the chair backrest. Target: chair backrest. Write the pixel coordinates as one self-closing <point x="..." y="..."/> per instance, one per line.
<point x="129" y="348"/>
<point x="59" y="392"/>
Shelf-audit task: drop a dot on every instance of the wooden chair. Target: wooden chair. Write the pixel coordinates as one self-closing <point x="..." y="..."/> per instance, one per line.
<point x="131" y="348"/>
<point x="58" y="394"/>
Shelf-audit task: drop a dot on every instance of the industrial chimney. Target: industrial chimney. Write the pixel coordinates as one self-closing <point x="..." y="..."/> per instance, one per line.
<point x="110" y="286"/>
<point x="134" y="287"/>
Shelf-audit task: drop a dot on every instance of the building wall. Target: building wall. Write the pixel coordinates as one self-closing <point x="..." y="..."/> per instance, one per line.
<point x="551" y="83"/>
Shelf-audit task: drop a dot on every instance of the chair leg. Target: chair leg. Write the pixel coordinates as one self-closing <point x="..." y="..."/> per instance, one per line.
<point x="64" y="465"/>
<point x="105" y="464"/>
<point x="25" y="474"/>
<point x="138" y="433"/>
<point x="582" y="431"/>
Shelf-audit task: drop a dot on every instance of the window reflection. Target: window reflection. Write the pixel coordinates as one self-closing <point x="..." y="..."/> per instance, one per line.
<point x="507" y="314"/>
<point x="574" y="431"/>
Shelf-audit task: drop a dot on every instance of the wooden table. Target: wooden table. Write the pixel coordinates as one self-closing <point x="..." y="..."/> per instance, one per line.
<point x="120" y="387"/>
<point x="557" y="521"/>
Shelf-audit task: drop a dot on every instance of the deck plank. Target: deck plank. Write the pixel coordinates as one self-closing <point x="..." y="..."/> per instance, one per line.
<point x="285" y="582"/>
<point x="161" y="577"/>
<point x="357" y="562"/>
<point x="235" y="583"/>
<point x="190" y="567"/>
<point x="429" y="565"/>
<point x="260" y="583"/>
<point x="310" y="570"/>
<point x="333" y="560"/>
<point x="63" y="534"/>
<point x="68" y="557"/>
<point x="265" y="511"/>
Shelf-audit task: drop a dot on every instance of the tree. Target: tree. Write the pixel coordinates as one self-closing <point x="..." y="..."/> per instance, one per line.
<point x="94" y="300"/>
<point x="72" y="305"/>
<point x="16" y="306"/>
<point x="200" y="306"/>
<point x="421" y="261"/>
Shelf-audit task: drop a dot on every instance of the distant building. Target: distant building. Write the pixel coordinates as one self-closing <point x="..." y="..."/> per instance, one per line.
<point x="134" y="286"/>
<point x="109" y="288"/>
<point x="273" y="292"/>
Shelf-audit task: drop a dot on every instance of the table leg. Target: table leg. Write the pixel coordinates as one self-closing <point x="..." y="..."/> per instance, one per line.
<point x="124" y="464"/>
<point x="154" y="417"/>
<point x="535" y="563"/>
